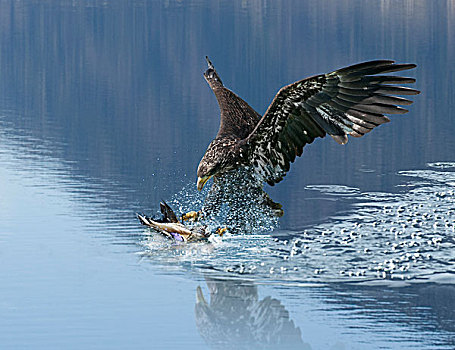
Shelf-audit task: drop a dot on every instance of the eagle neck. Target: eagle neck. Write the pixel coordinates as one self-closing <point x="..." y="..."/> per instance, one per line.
<point x="238" y="118"/>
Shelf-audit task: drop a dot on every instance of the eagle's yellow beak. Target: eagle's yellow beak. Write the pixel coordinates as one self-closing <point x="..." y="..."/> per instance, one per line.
<point x="201" y="182"/>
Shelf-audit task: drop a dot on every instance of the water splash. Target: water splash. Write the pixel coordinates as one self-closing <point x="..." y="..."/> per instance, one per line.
<point x="235" y="202"/>
<point x="403" y="236"/>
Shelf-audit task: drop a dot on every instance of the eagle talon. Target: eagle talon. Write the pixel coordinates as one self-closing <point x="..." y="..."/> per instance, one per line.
<point x="276" y="208"/>
<point x="221" y="230"/>
<point x="278" y="212"/>
<point x="191" y="215"/>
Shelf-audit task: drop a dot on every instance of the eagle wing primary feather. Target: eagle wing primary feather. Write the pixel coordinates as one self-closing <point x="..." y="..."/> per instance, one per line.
<point x="349" y="101"/>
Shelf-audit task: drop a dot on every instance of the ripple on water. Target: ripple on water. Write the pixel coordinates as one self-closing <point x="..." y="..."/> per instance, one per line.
<point x="442" y="165"/>
<point x="407" y="235"/>
<point x="334" y="190"/>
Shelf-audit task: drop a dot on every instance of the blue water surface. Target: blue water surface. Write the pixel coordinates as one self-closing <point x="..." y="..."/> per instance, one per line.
<point x="104" y="112"/>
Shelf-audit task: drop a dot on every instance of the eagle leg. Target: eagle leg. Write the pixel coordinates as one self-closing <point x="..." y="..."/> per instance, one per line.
<point x="276" y="208"/>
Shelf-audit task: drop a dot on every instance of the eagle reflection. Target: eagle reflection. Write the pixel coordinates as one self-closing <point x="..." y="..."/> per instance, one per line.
<point x="236" y="318"/>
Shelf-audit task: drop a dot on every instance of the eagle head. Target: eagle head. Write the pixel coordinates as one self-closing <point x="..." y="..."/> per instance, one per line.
<point x="208" y="167"/>
<point x="222" y="155"/>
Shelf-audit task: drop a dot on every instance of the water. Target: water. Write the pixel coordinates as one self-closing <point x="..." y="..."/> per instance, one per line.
<point x="104" y="112"/>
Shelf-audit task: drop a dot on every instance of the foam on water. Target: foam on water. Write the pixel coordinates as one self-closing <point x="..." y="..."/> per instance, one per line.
<point x="405" y="236"/>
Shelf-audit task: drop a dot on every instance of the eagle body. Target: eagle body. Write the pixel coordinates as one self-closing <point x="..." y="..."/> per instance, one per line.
<point x="348" y="101"/>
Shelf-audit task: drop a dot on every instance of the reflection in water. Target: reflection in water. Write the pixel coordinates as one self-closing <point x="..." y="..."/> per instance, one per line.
<point x="235" y="318"/>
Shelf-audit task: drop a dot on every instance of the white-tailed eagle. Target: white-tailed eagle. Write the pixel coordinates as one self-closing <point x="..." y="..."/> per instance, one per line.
<point x="348" y="101"/>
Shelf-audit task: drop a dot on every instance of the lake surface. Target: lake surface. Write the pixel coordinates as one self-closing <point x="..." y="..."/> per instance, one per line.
<point x="104" y="112"/>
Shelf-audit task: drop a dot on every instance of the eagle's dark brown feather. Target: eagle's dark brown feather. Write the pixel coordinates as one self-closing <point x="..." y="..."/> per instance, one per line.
<point x="349" y="101"/>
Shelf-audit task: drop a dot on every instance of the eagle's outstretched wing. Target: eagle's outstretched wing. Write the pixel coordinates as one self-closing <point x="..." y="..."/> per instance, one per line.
<point x="349" y="101"/>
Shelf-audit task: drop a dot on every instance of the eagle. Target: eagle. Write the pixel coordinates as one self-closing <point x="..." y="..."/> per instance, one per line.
<point x="348" y="101"/>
